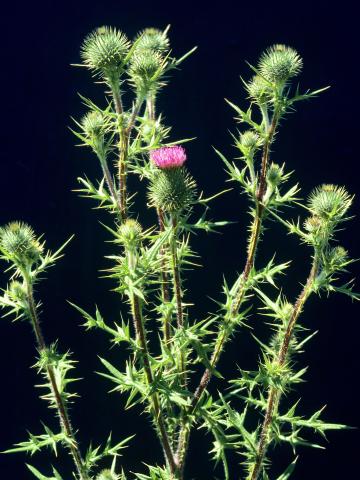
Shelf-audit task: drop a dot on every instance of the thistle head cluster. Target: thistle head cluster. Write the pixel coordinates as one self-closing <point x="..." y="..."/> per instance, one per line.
<point x="19" y="244"/>
<point x="152" y="40"/>
<point x="104" y="52"/>
<point x="129" y="233"/>
<point x="280" y="63"/>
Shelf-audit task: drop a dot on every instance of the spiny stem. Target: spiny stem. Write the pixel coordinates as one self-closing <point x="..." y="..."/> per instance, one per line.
<point x="165" y="287"/>
<point x="157" y="413"/>
<point x="241" y="290"/>
<point x="61" y="408"/>
<point x="123" y="150"/>
<point x="178" y="295"/>
<point x="122" y="171"/>
<point x="274" y="394"/>
<point x="109" y="182"/>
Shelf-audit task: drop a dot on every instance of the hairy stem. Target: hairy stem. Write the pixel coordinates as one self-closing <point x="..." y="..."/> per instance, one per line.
<point x="157" y="413"/>
<point x="274" y="394"/>
<point x="65" y="422"/>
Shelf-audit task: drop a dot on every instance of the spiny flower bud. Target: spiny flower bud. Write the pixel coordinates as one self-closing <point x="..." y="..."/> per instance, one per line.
<point x="145" y="69"/>
<point x="17" y="291"/>
<point x="279" y="63"/>
<point x="94" y="124"/>
<point x="152" y="39"/>
<point x="168" y="157"/>
<point x="259" y="90"/>
<point x="313" y="224"/>
<point x="329" y="202"/>
<point x="337" y="258"/>
<point x="107" y="475"/>
<point x="130" y="233"/>
<point x="172" y="190"/>
<point x="274" y="175"/>
<point x="249" y="140"/>
<point x="18" y="242"/>
<point x="104" y="51"/>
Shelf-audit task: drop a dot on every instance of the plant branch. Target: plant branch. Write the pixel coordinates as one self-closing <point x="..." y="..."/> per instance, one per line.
<point x="239" y="295"/>
<point x="61" y="408"/>
<point x="157" y="413"/>
<point x="274" y="394"/>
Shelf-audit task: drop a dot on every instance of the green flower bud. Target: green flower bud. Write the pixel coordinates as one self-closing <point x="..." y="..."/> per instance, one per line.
<point x="250" y="140"/>
<point x="313" y="224"/>
<point x="152" y="39"/>
<point x="145" y="69"/>
<point x="94" y="125"/>
<point x="172" y="190"/>
<point x="337" y="258"/>
<point x="18" y="242"/>
<point x="104" y="51"/>
<point x="107" y="475"/>
<point x="329" y="202"/>
<point x="130" y="233"/>
<point x="17" y="291"/>
<point x="279" y="63"/>
<point x="259" y="90"/>
<point x="274" y="175"/>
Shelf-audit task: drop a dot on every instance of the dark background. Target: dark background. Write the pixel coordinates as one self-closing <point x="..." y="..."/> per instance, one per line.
<point x="39" y="166"/>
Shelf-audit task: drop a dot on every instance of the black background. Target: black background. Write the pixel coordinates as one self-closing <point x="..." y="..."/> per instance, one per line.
<point x="39" y="166"/>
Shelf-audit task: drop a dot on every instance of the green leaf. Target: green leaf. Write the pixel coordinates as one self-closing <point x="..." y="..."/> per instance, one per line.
<point x="288" y="471"/>
<point x="40" y="476"/>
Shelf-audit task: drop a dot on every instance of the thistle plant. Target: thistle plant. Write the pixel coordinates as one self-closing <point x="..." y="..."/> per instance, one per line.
<point x="171" y="376"/>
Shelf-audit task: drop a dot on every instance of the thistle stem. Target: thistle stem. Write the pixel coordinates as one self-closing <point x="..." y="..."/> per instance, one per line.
<point x="109" y="182"/>
<point x="122" y="171"/>
<point x="165" y="287"/>
<point x="65" y="422"/>
<point x="178" y="296"/>
<point x="274" y="394"/>
<point x="239" y="295"/>
<point x="157" y="413"/>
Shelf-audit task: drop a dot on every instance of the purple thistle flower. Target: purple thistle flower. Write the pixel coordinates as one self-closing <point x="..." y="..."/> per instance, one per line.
<point x="168" y="157"/>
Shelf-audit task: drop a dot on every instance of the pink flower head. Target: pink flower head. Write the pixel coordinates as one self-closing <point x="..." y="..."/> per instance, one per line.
<point x="168" y="157"/>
